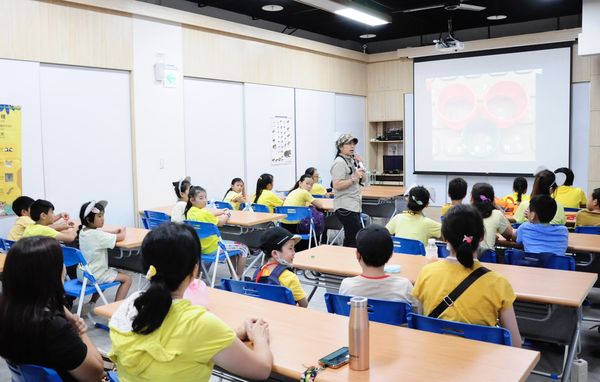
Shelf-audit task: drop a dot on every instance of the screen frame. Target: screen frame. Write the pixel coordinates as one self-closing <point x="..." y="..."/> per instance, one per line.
<point x="489" y="52"/>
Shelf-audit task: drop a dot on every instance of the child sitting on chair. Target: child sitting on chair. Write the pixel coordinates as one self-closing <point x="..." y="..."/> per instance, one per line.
<point x="42" y="213"/>
<point x="457" y="190"/>
<point x="538" y="235"/>
<point x="374" y="247"/>
<point x="278" y="246"/>
<point x="412" y="224"/>
<point x="591" y="215"/>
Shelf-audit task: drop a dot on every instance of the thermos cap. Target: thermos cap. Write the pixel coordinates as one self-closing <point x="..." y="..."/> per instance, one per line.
<point x="358" y="302"/>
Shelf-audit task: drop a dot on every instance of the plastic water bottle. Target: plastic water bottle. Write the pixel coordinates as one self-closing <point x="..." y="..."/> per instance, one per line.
<point x="431" y="252"/>
<point x="358" y="334"/>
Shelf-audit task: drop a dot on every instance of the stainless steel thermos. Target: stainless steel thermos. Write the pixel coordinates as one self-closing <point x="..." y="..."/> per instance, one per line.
<point x="358" y="334"/>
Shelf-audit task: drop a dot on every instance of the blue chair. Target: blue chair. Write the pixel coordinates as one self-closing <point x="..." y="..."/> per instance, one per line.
<point x="75" y="288"/>
<point x="150" y="223"/>
<point x="408" y="246"/>
<point x="319" y="196"/>
<point x="222" y="205"/>
<point x="571" y="209"/>
<point x="113" y="376"/>
<point x="6" y="244"/>
<point x="539" y="260"/>
<point x="204" y="231"/>
<point x="32" y="373"/>
<point x="488" y="256"/>
<point x="157" y="215"/>
<point x="588" y="229"/>
<point x="516" y="225"/>
<point x="255" y="207"/>
<point x="484" y="333"/>
<point x="269" y="292"/>
<point x="296" y="214"/>
<point x="386" y="312"/>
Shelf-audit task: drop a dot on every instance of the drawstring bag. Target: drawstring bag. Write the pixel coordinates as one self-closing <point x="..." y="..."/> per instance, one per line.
<point x="318" y="220"/>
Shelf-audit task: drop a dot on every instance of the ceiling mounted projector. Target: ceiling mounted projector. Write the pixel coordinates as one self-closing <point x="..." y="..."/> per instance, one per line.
<point x="449" y="43"/>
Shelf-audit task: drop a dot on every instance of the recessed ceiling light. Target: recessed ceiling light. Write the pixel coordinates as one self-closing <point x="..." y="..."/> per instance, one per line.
<point x="272" y="8"/>
<point x="496" y="17"/>
<point x="368" y="35"/>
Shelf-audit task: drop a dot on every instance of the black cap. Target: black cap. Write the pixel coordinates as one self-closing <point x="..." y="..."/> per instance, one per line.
<point x="275" y="238"/>
<point x="374" y="244"/>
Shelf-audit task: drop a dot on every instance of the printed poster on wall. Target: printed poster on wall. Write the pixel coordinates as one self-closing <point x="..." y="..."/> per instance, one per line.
<point x="282" y="133"/>
<point x="10" y="156"/>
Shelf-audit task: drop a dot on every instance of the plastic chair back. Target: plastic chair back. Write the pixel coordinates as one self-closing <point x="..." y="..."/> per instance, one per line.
<point x="32" y="373"/>
<point x="204" y="230"/>
<point x="488" y="256"/>
<point x="386" y="312"/>
<point x="516" y="225"/>
<point x="318" y="196"/>
<point x="442" y="250"/>
<point x="571" y="209"/>
<point x="408" y="246"/>
<point x="590" y="230"/>
<point x="72" y="256"/>
<point x="269" y="292"/>
<point x="157" y="215"/>
<point x="539" y="260"/>
<point x="7" y="244"/>
<point x="255" y="207"/>
<point x="222" y="205"/>
<point x="150" y="223"/>
<point x="484" y="333"/>
<point x="294" y="213"/>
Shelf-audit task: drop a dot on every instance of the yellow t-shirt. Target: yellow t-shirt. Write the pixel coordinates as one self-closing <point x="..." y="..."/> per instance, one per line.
<point x="17" y="230"/>
<point x="414" y="226"/>
<point x="514" y="196"/>
<point x="289" y="280"/>
<point x="445" y="208"/>
<point x="571" y="197"/>
<point x="318" y="189"/>
<point x="559" y="216"/>
<point x="493" y="224"/>
<point x="40" y="230"/>
<point x="209" y="245"/>
<point x="480" y="304"/>
<point x="587" y="218"/>
<point x="269" y="199"/>
<point x="181" y="349"/>
<point x="229" y="198"/>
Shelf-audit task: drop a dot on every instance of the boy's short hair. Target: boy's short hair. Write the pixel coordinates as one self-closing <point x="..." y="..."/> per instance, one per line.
<point x="457" y="189"/>
<point x="38" y="207"/>
<point x="375" y="245"/>
<point x="21" y="203"/>
<point x="544" y="207"/>
<point x="596" y="194"/>
<point x="275" y="238"/>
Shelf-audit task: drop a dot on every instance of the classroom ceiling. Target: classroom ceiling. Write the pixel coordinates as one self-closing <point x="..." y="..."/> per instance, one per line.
<point x="304" y="17"/>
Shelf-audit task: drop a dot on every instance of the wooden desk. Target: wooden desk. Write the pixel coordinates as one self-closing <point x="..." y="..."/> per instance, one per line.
<point x="578" y="243"/>
<point x="568" y="214"/>
<point x="2" y="260"/>
<point x="541" y="285"/>
<point x="302" y="336"/>
<point x="382" y="192"/>
<point x="133" y="237"/>
<point x="327" y="204"/>
<point x="244" y="219"/>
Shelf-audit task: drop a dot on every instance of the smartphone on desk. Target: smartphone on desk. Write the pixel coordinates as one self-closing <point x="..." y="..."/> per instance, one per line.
<point x="336" y="359"/>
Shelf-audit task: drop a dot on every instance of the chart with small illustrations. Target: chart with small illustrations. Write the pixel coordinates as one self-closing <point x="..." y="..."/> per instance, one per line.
<point x="282" y="140"/>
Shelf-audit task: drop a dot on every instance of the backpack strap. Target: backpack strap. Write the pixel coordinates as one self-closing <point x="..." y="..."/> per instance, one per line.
<point x="449" y="300"/>
<point x="274" y="276"/>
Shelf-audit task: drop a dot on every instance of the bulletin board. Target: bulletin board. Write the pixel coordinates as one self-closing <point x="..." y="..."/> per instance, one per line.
<point x="10" y="156"/>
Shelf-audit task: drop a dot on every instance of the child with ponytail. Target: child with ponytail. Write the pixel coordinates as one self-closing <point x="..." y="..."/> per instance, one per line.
<point x="157" y="335"/>
<point x="235" y="193"/>
<point x="264" y="194"/>
<point x="494" y="221"/>
<point x="94" y="243"/>
<point x="181" y="187"/>
<point x="489" y="301"/>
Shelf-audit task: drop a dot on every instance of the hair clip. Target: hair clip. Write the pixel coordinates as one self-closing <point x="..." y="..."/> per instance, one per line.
<point x="414" y="198"/>
<point x="484" y="198"/>
<point x="151" y="272"/>
<point x="467" y="239"/>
